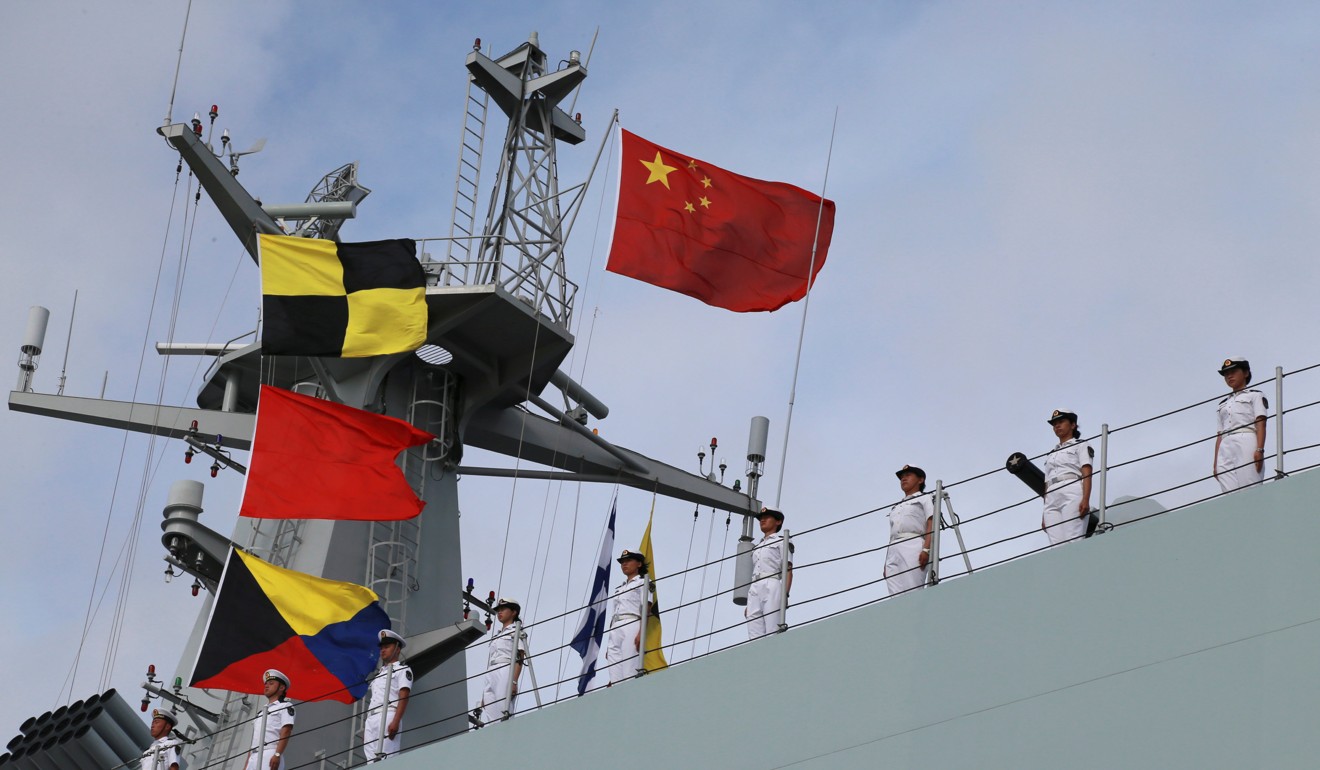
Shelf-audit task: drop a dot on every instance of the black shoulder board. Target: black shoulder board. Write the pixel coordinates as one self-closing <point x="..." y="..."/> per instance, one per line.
<point x="1266" y="401"/>
<point x="791" y="547"/>
<point x="1090" y="450"/>
<point x="290" y="709"/>
<point x="408" y="674"/>
<point x="1226" y="398"/>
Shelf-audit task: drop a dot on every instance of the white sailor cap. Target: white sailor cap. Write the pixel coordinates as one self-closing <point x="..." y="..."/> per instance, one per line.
<point x="386" y="636"/>
<point x="1235" y="363"/>
<point x="1062" y="414"/>
<point x="274" y="673"/>
<point x="167" y="716"/>
<point x="507" y="602"/>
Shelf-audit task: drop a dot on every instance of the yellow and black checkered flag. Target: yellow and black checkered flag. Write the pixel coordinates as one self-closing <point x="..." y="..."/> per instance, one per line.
<point x="348" y="300"/>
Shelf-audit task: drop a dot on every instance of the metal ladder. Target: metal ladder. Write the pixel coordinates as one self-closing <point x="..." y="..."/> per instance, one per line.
<point x="472" y="142"/>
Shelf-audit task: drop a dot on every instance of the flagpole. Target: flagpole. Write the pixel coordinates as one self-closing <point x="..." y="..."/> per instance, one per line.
<point x="806" y="304"/>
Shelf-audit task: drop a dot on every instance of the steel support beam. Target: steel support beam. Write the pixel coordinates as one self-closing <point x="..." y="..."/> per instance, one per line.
<point x="171" y="421"/>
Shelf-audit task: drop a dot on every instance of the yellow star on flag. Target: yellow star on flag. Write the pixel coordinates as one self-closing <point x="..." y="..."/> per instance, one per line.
<point x="705" y="181"/>
<point x="704" y="201"/>
<point x="692" y="164"/>
<point x="659" y="171"/>
<point x="688" y="207"/>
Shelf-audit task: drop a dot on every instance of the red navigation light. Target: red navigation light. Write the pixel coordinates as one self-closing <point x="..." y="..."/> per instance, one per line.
<point x="714" y="443"/>
<point x="197" y="129"/>
<point x="188" y="456"/>
<point x="476" y="44"/>
<point x="215" y="112"/>
<point x="194" y="426"/>
<point x="145" y="704"/>
<point x="196" y="586"/>
<point x="151" y="670"/>
<point x="215" y="469"/>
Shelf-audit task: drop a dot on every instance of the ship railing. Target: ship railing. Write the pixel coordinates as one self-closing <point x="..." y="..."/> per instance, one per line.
<point x="553" y="295"/>
<point x="1157" y="465"/>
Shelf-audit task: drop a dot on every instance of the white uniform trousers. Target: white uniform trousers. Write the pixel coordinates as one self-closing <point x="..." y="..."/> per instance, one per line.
<point x="494" y="688"/>
<point x="371" y="737"/>
<point x="265" y="763"/>
<point x="1236" y="461"/>
<point x="621" y="651"/>
<point x="1060" y="519"/>
<point x="903" y="570"/>
<point x="764" y="613"/>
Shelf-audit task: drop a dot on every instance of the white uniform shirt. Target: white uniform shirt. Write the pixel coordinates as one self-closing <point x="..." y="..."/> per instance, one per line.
<point x="627" y="600"/>
<point x="1065" y="461"/>
<point x="169" y="754"/>
<point x="400" y="679"/>
<point x="279" y="714"/>
<point x="1241" y="409"/>
<point x="500" y="652"/>
<point x="767" y="556"/>
<point x="908" y="517"/>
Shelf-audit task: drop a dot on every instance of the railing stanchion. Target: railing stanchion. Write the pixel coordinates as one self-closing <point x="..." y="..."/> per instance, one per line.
<point x="934" y="559"/>
<point x="1278" y="422"/>
<point x="1104" y="470"/>
<point x="785" y="554"/>
<point x="644" y="613"/>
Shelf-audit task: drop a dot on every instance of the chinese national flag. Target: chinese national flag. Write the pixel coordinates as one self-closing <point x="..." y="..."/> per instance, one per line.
<point x="730" y="241"/>
<point x="315" y="459"/>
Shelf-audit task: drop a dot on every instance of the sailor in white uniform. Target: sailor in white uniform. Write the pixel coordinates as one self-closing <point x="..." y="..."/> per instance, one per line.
<point x="908" y="557"/>
<point x="395" y="676"/>
<point x="163" y="753"/>
<point x="267" y="752"/>
<point x="500" y="662"/>
<point x="765" y="611"/>
<point x="1240" y="445"/>
<point x="625" y="640"/>
<point x="1067" y="481"/>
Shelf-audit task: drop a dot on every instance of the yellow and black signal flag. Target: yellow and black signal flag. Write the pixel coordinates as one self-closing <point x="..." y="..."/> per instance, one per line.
<point x="346" y="300"/>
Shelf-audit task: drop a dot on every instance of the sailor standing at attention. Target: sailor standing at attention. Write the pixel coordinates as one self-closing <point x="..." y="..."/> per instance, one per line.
<point x="500" y="661"/>
<point x="163" y="753"/>
<point x="765" y="610"/>
<point x="1240" y="445"/>
<point x="395" y="676"/>
<point x="908" y="556"/>
<point x="268" y="750"/>
<point x="1067" y="481"/>
<point x="625" y="639"/>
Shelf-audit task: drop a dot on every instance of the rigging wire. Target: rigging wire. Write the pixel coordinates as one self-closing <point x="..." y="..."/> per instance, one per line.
<point x="687" y="562"/>
<point x="720" y="577"/>
<point x="88" y="614"/>
<point x="121" y="609"/>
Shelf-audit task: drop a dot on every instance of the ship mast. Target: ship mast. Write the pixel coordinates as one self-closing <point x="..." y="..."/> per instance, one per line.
<point x="498" y="333"/>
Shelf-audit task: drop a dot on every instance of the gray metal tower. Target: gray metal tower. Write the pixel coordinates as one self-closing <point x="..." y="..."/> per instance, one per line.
<point x="503" y="321"/>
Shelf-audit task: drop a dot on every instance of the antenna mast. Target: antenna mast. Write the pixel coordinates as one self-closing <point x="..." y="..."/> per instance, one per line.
<point x="523" y="246"/>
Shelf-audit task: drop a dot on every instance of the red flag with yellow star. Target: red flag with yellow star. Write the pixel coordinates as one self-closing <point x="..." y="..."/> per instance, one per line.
<point x="730" y="241"/>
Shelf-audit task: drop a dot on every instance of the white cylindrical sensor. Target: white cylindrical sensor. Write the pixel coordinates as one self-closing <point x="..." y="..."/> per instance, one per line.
<point x="185" y="498"/>
<point x="35" y="336"/>
<point x="756" y="439"/>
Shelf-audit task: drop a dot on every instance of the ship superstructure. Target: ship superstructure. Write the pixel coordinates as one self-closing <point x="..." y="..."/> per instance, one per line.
<point x="500" y="305"/>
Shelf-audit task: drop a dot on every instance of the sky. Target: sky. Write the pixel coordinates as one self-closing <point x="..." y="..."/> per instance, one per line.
<point x="1041" y="205"/>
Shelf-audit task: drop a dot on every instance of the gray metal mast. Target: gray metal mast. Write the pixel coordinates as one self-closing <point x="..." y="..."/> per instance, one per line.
<point x="523" y="247"/>
<point x="503" y="323"/>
